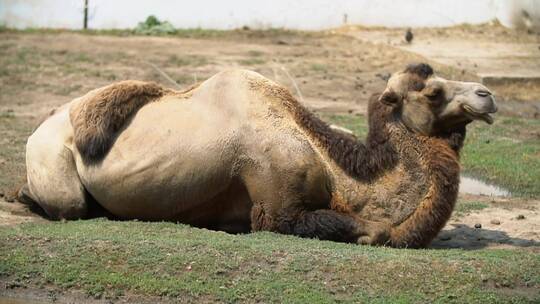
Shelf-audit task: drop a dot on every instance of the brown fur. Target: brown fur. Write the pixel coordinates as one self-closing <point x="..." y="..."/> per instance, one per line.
<point x="441" y="164"/>
<point x="422" y="70"/>
<point x="103" y="113"/>
<point x="97" y="119"/>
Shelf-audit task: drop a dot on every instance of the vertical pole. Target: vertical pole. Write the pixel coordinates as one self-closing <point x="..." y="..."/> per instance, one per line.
<point x="85" y="24"/>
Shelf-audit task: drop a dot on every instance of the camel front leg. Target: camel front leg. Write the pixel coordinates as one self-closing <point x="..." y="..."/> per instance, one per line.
<point x="373" y="233"/>
<point x="281" y="209"/>
<point x="323" y="224"/>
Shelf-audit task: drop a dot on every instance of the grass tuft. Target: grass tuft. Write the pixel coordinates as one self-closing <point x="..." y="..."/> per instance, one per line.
<point x="466" y="207"/>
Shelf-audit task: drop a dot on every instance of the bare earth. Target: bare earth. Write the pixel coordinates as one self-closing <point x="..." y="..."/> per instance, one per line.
<point x="332" y="72"/>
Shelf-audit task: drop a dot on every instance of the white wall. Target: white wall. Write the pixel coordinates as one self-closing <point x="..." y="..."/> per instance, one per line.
<point x="229" y="14"/>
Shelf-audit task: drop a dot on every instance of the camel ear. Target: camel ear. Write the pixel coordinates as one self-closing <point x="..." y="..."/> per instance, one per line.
<point x="390" y="98"/>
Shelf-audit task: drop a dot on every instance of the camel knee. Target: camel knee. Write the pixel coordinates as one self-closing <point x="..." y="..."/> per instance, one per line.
<point x="24" y="196"/>
<point x="59" y="203"/>
<point x="56" y="209"/>
<point x="66" y="210"/>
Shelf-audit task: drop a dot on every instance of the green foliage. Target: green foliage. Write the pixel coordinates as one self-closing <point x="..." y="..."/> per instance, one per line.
<point x="152" y="21"/>
<point x="153" y="26"/>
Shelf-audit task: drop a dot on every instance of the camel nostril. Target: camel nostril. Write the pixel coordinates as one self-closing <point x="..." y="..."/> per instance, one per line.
<point x="482" y="93"/>
<point x="495" y="108"/>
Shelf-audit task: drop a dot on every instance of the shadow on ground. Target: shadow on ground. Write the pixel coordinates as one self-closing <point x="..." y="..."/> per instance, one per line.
<point x="466" y="237"/>
<point x="460" y="236"/>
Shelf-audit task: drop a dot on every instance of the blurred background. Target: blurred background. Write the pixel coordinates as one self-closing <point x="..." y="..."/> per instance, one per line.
<point x="299" y="14"/>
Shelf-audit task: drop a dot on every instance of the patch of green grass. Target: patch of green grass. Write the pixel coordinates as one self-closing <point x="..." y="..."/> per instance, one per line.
<point x="107" y="258"/>
<point x="317" y="67"/>
<point x="184" y="79"/>
<point x="67" y="89"/>
<point x="7" y="114"/>
<point x="251" y="61"/>
<point x="80" y="57"/>
<point x="355" y="123"/>
<point x="253" y="53"/>
<point x="104" y="74"/>
<point x="506" y="153"/>
<point x="466" y="207"/>
<point x="187" y="60"/>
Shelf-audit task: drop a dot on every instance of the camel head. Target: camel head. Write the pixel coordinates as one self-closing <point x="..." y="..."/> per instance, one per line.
<point x="431" y="105"/>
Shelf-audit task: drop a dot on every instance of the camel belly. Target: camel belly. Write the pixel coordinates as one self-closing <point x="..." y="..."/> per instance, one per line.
<point x="174" y="156"/>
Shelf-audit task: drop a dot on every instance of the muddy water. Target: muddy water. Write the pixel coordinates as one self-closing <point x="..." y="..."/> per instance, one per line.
<point x="477" y="187"/>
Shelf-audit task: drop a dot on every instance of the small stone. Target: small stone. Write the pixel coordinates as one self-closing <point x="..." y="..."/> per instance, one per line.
<point x="12" y="285"/>
<point x="1" y="194"/>
<point x="477" y="225"/>
<point x="520" y="217"/>
<point x="495" y="222"/>
<point x="10" y="199"/>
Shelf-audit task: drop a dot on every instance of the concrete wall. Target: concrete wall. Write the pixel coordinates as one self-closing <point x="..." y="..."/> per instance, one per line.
<point x="294" y="14"/>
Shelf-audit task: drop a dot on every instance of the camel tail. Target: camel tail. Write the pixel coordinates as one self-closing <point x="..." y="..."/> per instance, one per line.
<point x="98" y="118"/>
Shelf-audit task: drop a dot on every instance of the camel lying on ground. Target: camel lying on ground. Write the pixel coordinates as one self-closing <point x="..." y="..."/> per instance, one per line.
<point x="238" y="153"/>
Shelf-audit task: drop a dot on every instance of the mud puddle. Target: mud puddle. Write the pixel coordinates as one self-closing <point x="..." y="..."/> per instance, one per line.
<point x="474" y="186"/>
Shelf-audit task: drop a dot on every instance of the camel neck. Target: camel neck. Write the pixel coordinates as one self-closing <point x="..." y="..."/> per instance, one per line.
<point x="365" y="160"/>
<point x="438" y="164"/>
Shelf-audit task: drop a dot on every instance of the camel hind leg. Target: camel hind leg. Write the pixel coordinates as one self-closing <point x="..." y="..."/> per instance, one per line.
<point x="53" y="181"/>
<point x="56" y="188"/>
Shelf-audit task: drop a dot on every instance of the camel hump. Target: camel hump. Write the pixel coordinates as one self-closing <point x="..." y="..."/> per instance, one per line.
<point x="103" y="112"/>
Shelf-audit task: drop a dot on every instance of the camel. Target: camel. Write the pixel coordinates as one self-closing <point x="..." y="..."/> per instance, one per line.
<point x="239" y="153"/>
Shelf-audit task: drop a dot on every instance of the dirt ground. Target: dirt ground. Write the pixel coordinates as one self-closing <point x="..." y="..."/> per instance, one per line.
<point x="334" y="71"/>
